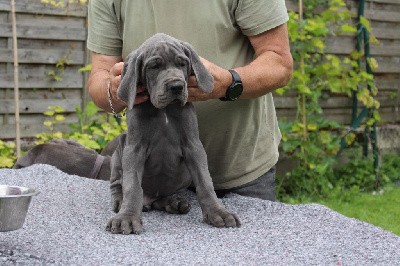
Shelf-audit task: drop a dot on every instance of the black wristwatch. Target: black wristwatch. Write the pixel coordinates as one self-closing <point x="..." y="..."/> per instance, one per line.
<point x="235" y="89"/>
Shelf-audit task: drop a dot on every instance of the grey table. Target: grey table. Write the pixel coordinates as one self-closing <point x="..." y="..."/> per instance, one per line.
<point x="66" y="225"/>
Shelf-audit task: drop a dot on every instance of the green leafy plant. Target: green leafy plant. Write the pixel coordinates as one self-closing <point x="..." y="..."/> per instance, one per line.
<point x="7" y="154"/>
<point x="55" y="115"/>
<point x="93" y="129"/>
<point x="97" y="129"/>
<point x="58" y="73"/>
<point x="86" y="68"/>
<point x="390" y="167"/>
<point x="358" y="173"/>
<point x="86" y="118"/>
<point x="62" y="3"/>
<point x="353" y="176"/>
<point x="311" y="139"/>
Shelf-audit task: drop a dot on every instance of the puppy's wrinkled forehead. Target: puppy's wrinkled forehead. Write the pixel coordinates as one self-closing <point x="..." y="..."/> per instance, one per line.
<point x="168" y="51"/>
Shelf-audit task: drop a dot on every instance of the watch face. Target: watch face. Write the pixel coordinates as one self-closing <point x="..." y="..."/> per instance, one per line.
<point x="235" y="91"/>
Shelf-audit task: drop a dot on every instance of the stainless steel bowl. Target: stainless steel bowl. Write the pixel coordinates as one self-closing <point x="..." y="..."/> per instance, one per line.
<point x="14" y="204"/>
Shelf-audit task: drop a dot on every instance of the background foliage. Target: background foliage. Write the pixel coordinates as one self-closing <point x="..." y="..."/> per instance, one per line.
<point x="311" y="139"/>
<point x="7" y="154"/>
<point x="93" y="130"/>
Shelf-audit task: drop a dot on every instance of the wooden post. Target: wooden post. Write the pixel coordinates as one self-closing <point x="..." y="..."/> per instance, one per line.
<point x="302" y="100"/>
<point x="16" y="78"/>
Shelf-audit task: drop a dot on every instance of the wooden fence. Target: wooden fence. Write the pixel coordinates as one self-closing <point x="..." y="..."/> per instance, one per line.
<point x="46" y="36"/>
<point x="384" y="16"/>
<point x="49" y="35"/>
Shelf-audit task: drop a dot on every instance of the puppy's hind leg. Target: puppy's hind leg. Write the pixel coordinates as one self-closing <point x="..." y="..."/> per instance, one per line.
<point x="172" y="204"/>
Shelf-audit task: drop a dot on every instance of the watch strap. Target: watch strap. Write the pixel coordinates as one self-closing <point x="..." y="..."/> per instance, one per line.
<point x="235" y="76"/>
<point x="235" y="80"/>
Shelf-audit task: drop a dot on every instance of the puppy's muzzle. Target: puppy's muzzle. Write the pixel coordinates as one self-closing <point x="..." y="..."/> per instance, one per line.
<point x="176" y="91"/>
<point x="176" y="87"/>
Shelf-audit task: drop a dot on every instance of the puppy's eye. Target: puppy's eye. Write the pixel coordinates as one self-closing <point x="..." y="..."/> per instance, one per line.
<point x="181" y="61"/>
<point x="154" y="66"/>
<point x="181" y="64"/>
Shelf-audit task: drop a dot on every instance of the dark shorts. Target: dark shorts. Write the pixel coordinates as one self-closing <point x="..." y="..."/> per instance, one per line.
<point x="263" y="187"/>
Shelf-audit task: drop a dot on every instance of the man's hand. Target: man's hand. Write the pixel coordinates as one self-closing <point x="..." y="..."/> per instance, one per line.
<point x="104" y="68"/>
<point x="115" y="78"/>
<point x="222" y="80"/>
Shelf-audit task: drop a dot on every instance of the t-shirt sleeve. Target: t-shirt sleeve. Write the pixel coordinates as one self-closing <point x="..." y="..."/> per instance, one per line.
<point x="103" y="32"/>
<point x="256" y="16"/>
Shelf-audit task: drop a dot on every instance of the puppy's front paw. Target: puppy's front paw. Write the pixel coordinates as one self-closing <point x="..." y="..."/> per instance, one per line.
<point x="125" y="224"/>
<point x="220" y="217"/>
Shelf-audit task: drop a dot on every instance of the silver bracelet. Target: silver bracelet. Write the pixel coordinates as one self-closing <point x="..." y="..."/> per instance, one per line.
<point x="110" y="101"/>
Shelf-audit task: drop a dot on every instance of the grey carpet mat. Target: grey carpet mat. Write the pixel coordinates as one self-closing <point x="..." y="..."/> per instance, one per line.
<point x="66" y="225"/>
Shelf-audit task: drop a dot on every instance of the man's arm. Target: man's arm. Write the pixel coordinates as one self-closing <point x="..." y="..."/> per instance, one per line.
<point x="271" y="68"/>
<point x="105" y="67"/>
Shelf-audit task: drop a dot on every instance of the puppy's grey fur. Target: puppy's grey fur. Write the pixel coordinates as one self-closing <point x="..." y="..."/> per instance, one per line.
<point x="162" y="153"/>
<point x="68" y="156"/>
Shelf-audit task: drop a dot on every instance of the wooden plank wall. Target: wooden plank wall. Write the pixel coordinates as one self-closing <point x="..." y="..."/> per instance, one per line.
<point x="47" y="34"/>
<point x="385" y="21"/>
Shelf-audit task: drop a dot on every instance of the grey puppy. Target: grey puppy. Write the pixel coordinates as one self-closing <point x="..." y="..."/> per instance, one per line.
<point x="69" y="157"/>
<point x="162" y="153"/>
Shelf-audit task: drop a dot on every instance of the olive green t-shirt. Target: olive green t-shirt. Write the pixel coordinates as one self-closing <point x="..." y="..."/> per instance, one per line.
<point x="241" y="138"/>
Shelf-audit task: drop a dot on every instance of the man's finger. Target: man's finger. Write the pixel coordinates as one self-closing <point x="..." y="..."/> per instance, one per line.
<point x="192" y="81"/>
<point x="195" y="95"/>
<point x="115" y="82"/>
<point x="116" y="70"/>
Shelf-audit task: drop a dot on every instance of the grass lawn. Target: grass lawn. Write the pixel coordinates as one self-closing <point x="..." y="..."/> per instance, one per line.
<point x="381" y="210"/>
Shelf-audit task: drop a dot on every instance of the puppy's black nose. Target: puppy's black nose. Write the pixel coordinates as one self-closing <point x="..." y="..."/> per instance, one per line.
<point x="176" y="87"/>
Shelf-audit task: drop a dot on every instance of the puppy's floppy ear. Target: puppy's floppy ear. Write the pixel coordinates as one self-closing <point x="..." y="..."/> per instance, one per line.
<point x="204" y="78"/>
<point x="130" y="77"/>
